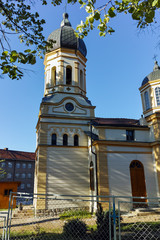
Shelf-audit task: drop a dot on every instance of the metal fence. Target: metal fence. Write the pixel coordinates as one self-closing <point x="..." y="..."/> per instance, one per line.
<point x="54" y="217"/>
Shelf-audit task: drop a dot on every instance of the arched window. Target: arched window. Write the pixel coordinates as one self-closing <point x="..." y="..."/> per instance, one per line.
<point x="76" y="140"/>
<point x="91" y="169"/>
<point x="81" y="79"/>
<point x="69" y="75"/>
<point x="65" y="140"/>
<point x="146" y="98"/>
<point x="53" y="76"/>
<point x="157" y="92"/>
<point x="54" y="139"/>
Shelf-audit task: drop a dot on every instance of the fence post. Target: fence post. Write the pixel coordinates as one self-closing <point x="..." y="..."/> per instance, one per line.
<point x="10" y="197"/>
<point x="114" y="218"/>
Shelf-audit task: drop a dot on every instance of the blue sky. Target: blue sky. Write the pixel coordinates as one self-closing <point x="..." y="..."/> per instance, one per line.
<point x="116" y="67"/>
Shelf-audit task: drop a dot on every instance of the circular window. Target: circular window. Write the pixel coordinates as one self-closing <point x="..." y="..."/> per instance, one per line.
<point x="69" y="107"/>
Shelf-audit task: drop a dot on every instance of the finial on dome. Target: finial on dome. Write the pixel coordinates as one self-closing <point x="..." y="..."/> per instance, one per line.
<point x="65" y="21"/>
<point x="156" y="67"/>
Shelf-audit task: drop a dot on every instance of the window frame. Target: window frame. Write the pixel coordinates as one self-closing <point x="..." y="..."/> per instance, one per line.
<point x="22" y="184"/>
<point x="146" y="100"/>
<point x="91" y="171"/>
<point x="157" y="96"/>
<point x="10" y="164"/>
<point x="54" y="141"/>
<point x="18" y="164"/>
<point x="9" y="174"/>
<point x="23" y="174"/>
<point x="17" y="175"/>
<point x="76" y="141"/>
<point x="28" y="185"/>
<point x="65" y="139"/>
<point x="130" y="137"/>
<point x="29" y="164"/>
<point x="24" y="165"/>
<point x="68" y="75"/>
<point x="29" y="175"/>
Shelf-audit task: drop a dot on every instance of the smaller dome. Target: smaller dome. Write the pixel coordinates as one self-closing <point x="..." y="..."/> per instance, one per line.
<point x="155" y="75"/>
<point x="65" y="37"/>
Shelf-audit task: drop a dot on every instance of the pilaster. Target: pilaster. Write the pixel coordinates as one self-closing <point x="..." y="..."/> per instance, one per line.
<point x="76" y="71"/>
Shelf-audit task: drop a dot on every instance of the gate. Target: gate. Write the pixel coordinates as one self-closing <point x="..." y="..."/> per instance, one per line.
<point x="61" y="217"/>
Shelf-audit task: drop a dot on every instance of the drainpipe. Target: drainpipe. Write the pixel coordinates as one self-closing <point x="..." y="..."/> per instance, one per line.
<point x="95" y="159"/>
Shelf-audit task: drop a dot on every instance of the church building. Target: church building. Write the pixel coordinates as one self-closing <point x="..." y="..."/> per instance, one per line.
<point x="80" y="154"/>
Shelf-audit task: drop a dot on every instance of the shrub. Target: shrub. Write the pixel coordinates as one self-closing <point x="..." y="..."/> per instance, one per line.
<point x="75" y="229"/>
<point x="103" y="224"/>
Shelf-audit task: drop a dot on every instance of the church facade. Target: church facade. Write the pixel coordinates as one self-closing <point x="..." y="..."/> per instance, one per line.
<point x="80" y="154"/>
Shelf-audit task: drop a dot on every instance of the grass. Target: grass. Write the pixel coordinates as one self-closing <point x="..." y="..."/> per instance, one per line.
<point x="73" y="214"/>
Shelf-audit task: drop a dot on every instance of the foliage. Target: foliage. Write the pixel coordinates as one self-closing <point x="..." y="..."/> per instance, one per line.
<point x="19" y="19"/>
<point x="103" y="223"/>
<point x="2" y="171"/>
<point x="143" y="12"/>
<point x="75" y="228"/>
<point x="75" y="214"/>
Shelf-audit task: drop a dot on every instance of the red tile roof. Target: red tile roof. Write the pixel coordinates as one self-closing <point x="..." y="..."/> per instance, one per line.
<point x="16" y="155"/>
<point x="117" y="122"/>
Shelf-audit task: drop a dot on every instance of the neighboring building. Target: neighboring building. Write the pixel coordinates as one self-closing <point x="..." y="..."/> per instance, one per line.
<point x="123" y="156"/>
<point x="18" y="167"/>
<point x="5" y="189"/>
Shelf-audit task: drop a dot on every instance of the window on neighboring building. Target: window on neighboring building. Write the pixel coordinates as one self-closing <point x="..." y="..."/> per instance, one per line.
<point x="3" y="164"/>
<point x="129" y="135"/>
<point x="54" y="139"/>
<point x="23" y="175"/>
<point x="29" y="175"/>
<point x="7" y="192"/>
<point x="22" y="185"/>
<point x="28" y="185"/>
<point x="65" y="140"/>
<point x="9" y="164"/>
<point x="24" y="165"/>
<point x="146" y="98"/>
<point x="29" y="165"/>
<point x="68" y="75"/>
<point x="91" y="176"/>
<point x="9" y="175"/>
<point x="17" y="175"/>
<point x="157" y="92"/>
<point x="18" y="165"/>
<point x="76" y="140"/>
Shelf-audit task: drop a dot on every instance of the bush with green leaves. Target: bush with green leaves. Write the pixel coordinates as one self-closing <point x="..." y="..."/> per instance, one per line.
<point x="103" y="224"/>
<point x="75" y="229"/>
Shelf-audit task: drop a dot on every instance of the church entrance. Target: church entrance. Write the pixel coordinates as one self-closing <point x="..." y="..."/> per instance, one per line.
<point x="138" y="182"/>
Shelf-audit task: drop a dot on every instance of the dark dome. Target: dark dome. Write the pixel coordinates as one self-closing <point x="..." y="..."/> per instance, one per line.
<point x="65" y="37"/>
<point x="155" y="75"/>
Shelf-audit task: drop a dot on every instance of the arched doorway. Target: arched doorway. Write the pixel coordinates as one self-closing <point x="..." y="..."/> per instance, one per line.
<point x="138" y="181"/>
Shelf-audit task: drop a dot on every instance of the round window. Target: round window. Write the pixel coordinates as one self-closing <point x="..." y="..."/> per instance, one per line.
<point x="69" y="107"/>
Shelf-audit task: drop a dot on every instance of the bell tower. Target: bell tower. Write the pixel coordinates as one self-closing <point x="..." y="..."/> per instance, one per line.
<point x="150" y="95"/>
<point x="65" y="112"/>
<point x="65" y="62"/>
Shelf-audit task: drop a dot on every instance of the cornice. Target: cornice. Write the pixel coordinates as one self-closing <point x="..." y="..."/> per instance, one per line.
<point x="122" y="143"/>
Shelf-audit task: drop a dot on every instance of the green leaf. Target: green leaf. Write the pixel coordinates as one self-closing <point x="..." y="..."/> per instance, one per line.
<point x="154" y="3"/>
<point x="27" y="51"/>
<point x="111" y="12"/>
<point x="97" y="15"/>
<point x="5" y="53"/>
